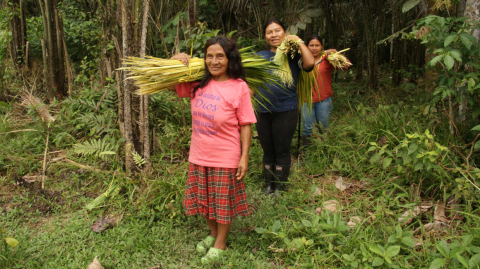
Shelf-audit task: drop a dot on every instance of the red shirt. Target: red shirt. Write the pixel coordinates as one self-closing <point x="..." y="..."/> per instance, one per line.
<point x="323" y="71"/>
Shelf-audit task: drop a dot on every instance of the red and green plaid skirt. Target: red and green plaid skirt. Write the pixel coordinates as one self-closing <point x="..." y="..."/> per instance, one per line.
<point x="214" y="192"/>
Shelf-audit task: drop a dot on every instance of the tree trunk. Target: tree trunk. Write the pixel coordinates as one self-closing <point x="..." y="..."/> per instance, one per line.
<point x="192" y="17"/>
<point x="18" y="26"/>
<point x="127" y="38"/>
<point x="54" y="70"/>
<point x="472" y="11"/>
<point x="144" y="124"/>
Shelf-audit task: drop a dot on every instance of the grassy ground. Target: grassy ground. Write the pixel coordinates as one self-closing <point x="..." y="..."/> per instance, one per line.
<point x="293" y="231"/>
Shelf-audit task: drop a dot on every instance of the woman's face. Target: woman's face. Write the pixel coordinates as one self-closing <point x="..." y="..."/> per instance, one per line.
<point x="216" y="60"/>
<point x="315" y="47"/>
<point x="274" y="35"/>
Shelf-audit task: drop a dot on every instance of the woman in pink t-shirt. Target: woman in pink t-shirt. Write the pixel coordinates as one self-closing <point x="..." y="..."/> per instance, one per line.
<point x="221" y="116"/>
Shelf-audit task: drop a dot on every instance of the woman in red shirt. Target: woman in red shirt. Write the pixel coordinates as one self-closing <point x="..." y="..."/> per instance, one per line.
<point x="221" y="116"/>
<point x="321" y="95"/>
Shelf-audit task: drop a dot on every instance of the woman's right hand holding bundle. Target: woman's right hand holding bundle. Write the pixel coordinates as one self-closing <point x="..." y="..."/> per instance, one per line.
<point x="182" y="57"/>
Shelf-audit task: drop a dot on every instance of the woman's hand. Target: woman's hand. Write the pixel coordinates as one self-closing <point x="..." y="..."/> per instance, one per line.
<point x="328" y="52"/>
<point x="182" y="57"/>
<point x="242" y="168"/>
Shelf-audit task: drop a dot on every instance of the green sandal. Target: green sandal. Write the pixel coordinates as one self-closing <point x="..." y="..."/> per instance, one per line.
<point x="213" y="255"/>
<point x="208" y="242"/>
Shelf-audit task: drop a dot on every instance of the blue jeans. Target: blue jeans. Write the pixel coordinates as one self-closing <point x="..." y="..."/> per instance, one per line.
<point x="320" y="112"/>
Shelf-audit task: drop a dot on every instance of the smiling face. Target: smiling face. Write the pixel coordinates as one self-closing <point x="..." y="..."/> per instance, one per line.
<point x="217" y="62"/>
<point x="315" y="47"/>
<point x="274" y="35"/>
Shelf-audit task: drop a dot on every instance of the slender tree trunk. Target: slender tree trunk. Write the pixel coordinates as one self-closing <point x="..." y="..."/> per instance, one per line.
<point x="19" y="32"/>
<point x="126" y="8"/>
<point x="144" y="100"/>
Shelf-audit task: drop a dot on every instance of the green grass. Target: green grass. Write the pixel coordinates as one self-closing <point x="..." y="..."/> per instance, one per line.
<point x="53" y="226"/>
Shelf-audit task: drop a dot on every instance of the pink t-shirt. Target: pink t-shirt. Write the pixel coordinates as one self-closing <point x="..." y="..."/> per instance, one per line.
<point x="218" y="110"/>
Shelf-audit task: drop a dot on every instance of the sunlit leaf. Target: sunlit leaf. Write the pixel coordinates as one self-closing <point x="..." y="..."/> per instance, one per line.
<point x="409" y="5"/>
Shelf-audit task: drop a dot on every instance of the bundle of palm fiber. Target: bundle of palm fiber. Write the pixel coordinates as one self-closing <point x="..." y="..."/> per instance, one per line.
<point x="338" y="60"/>
<point x="308" y="82"/>
<point x="153" y="75"/>
<point x="288" y="48"/>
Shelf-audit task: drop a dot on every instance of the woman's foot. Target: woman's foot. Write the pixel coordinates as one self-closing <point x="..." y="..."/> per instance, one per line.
<point x="213" y="254"/>
<point x="206" y="243"/>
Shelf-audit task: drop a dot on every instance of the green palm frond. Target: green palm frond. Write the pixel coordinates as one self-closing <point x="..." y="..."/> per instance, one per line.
<point x="152" y="74"/>
<point x="113" y="189"/>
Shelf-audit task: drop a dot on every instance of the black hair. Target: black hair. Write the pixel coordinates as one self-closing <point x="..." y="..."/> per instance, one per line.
<point x="234" y="69"/>
<point x="270" y="22"/>
<point x="312" y="37"/>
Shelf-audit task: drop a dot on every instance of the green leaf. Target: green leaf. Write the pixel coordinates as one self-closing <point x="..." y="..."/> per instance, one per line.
<point x="313" y="13"/>
<point x="435" y="60"/>
<point x="387" y="162"/>
<point x="408" y="241"/>
<point x="464" y="37"/>
<point x="412" y="148"/>
<point x="476" y="128"/>
<point x="306" y="223"/>
<point x="276" y="226"/>
<point x="471" y="83"/>
<point x="462" y="260"/>
<point x="444" y="248"/>
<point x="392" y="251"/>
<point x="376" y="249"/>
<point x="11" y="241"/>
<point x="477" y="145"/>
<point x="449" y="39"/>
<point x="474" y="261"/>
<point x="409" y="5"/>
<point x="372" y="148"/>
<point x="347" y="257"/>
<point x="448" y="60"/>
<point x="301" y="25"/>
<point x="377" y="261"/>
<point x="456" y="54"/>
<point x="398" y="231"/>
<point x="438" y="263"/>
<point x="418" y="166"/>
<point x="260" y="230"/>
<point x="375" y="158"/>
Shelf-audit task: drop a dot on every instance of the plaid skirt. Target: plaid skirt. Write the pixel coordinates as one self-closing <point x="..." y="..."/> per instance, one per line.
<point x="214" y="192"/>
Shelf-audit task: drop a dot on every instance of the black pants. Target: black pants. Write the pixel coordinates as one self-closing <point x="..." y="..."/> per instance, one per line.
<point x="275" y="131"/>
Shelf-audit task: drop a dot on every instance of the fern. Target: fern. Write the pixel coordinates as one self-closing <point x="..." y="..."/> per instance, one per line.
<point x="95" y="147"/>
<point x="138" y="159"/>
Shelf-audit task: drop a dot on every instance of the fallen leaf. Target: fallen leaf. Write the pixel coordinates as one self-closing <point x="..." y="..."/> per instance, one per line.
<point x="95" y="264"/>
<point x="435" y="226"/>
<point x="418" y="242"/>
<point x="273" y="249"/>
<point x="318" y="192"/>
<point x="318" y="210"/>
<point x="354" y="221"/>
<point x="440" y="212"/>
<point x="374" y="218"/>
<point x="339" y="184"/>
<point x="407" y="217"/>
<point x="333" y="206"/>
<point x="102" y="224"/>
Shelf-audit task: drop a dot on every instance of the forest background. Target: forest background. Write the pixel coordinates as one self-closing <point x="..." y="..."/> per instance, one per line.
<point x="391" y="184"/>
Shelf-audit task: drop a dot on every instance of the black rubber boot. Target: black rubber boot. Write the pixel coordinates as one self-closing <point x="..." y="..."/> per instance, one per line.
<point x="269" y="177"/>
<point x="306" y="141"/>
<point x="281" y="178"/>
